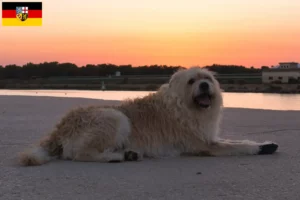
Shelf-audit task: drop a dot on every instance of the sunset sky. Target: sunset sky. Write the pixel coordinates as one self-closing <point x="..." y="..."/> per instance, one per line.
<point x="170" y="32"/>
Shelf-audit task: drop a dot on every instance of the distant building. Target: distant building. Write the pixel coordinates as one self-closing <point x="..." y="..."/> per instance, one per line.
<point x="118" y="73"/>
<point x="288" y="65"/>
<point x="286" y="72"/>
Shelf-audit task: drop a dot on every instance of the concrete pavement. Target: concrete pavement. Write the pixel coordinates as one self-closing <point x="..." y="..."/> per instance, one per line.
<point x="23" y="120"/>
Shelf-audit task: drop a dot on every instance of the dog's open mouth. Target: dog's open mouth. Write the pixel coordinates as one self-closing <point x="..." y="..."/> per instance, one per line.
<point x="203" y="100"/>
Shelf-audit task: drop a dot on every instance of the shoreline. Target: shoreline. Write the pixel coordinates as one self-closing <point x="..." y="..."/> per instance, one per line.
<point x="135" y="91"/>
<point x="116" y="101"/>
<point x="237" y="88"/>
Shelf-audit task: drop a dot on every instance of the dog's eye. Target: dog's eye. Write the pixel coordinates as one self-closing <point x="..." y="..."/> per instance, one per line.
<point x="191" y="81"/>
<point x="208" y="78"/>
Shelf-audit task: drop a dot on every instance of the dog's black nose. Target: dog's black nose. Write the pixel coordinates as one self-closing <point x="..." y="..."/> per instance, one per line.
<point x="204" y="86"/>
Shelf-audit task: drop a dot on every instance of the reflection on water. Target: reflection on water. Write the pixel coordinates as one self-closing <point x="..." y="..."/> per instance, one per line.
<point x="262" y="101"/>
<point x="237" y="100"/>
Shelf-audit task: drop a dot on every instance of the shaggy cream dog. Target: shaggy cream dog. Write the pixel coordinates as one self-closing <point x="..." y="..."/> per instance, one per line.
<point x="182" y="117"/>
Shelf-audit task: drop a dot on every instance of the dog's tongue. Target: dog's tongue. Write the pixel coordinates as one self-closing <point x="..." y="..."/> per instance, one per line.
<point x="204" y="100"/>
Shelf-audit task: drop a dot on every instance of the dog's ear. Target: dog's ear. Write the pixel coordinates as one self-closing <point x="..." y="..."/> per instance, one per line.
<point x="163" y="87"/>
<point x="171" y="80"/>
<point x="180" y="69"/>
<point x="214" y="73"/>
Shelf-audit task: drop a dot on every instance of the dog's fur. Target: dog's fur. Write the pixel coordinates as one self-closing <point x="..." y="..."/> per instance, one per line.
<point x="171" y="122"/>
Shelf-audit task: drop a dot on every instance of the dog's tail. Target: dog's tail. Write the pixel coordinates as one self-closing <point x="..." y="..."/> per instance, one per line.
<point x="39" y="154"/>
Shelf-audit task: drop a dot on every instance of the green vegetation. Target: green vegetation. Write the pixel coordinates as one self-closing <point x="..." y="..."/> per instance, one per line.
<point x="55" y="69"/>
<point x="54" y="75"/>
<point x="234" y="69"/>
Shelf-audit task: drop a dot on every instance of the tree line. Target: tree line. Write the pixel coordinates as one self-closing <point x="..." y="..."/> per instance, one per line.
<point x="55" y="69"/>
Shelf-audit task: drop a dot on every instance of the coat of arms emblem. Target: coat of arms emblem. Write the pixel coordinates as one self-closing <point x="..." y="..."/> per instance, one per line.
<point x="22" y="13"/>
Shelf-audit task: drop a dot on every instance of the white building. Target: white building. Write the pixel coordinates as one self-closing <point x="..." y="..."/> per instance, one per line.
<point x="118" y="73"/>
<point x="285" y="72"/>
<point x="288" y="65"/>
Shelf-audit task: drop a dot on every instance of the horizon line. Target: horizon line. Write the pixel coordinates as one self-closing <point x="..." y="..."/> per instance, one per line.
<point x="201" y="66"/>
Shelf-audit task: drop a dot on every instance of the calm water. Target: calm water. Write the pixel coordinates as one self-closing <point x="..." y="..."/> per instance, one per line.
<point x="237" y="100"/>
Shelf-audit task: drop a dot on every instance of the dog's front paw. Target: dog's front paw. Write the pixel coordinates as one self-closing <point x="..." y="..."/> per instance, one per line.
<point x="131" y="156"/>
<point x="268" y="148"/>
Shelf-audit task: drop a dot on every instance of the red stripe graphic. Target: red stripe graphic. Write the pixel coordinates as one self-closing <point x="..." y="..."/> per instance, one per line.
<point x="31" y="13"/>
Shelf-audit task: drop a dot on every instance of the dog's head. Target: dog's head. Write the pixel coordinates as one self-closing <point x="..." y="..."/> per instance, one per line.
<point x="196" y="87"/>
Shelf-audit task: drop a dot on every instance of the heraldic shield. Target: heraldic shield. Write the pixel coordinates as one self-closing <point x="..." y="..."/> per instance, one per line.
<point x="22" y="13"/>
